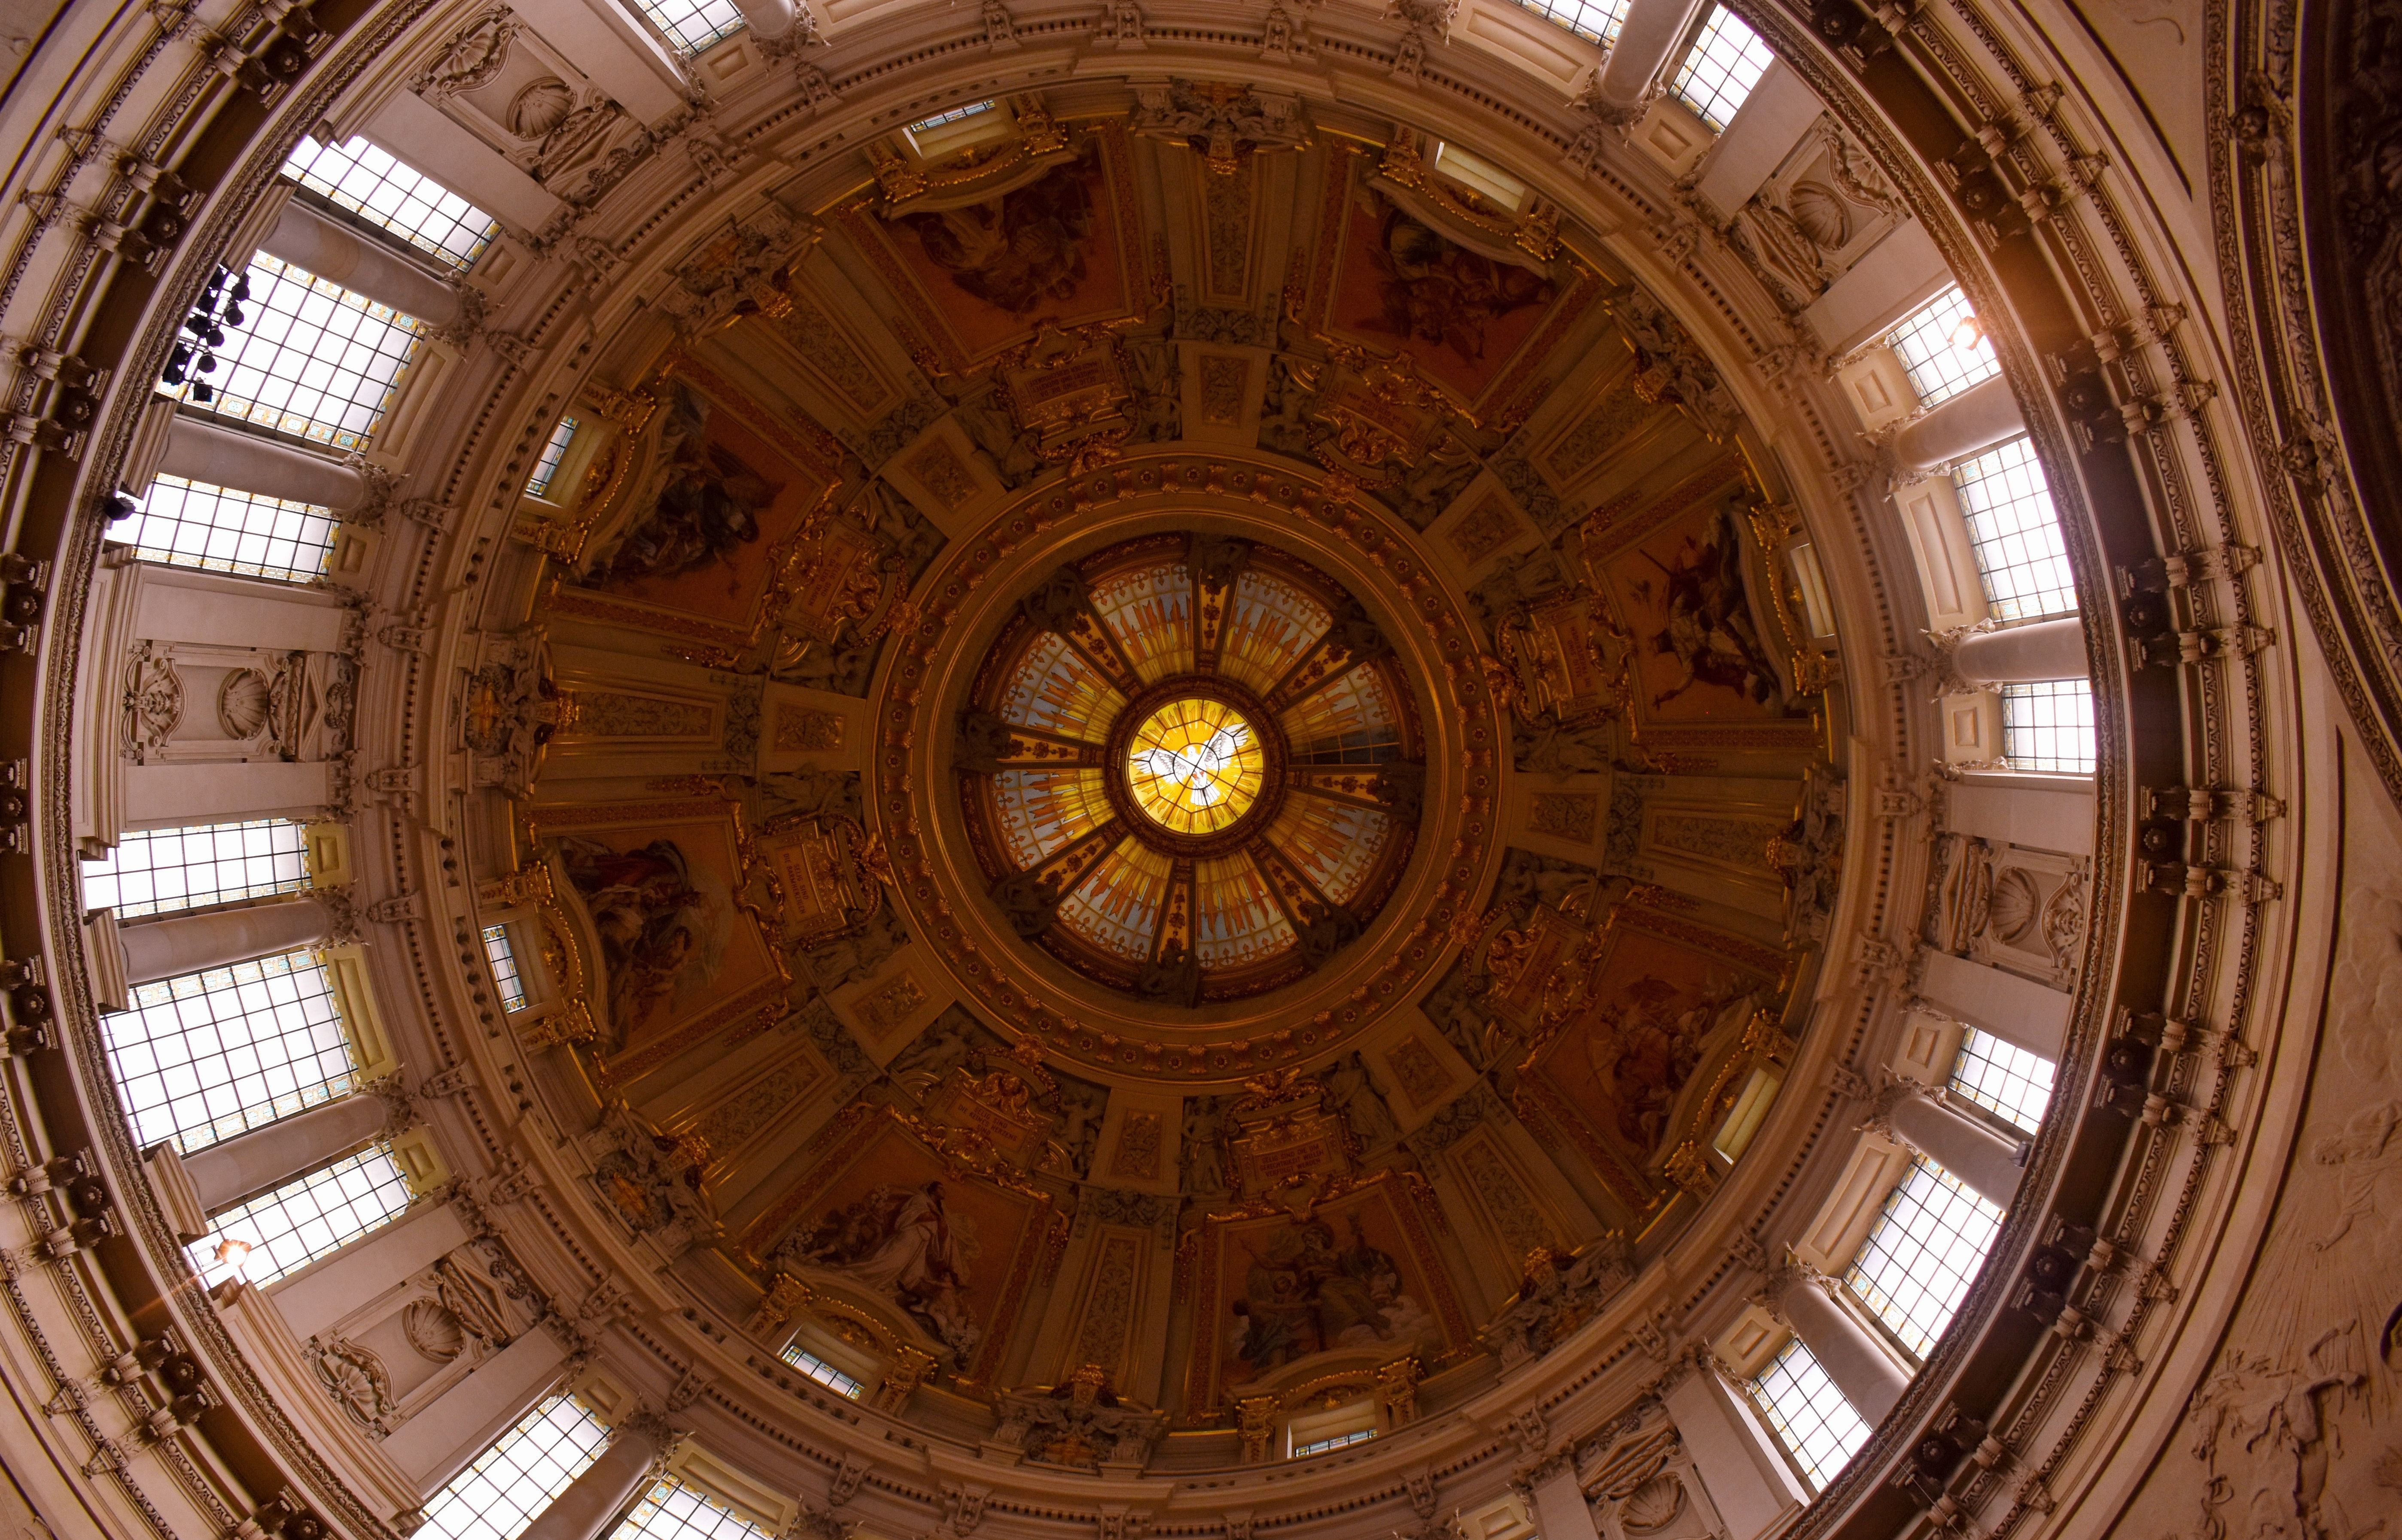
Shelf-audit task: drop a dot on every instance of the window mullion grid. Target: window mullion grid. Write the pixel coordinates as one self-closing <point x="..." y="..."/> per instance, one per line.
<point x="312" y="359"/>
<point x="157" y="871"/>
<point x="307" y="1218"/>
<point x="204" y="1056"/>
<point x="1919" y="1259"/>
<point x="1820" y="1429"/>
<point x="367" y="183"/>
<point x="671" y="1510"/>
<point x="522" y="1473"/>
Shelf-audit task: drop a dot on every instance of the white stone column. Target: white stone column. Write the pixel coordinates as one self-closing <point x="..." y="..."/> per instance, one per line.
<point x="768" y="19"/>
<point x="309" y="239"/>
<point x="266" y="1158"/>
<point x="1561" y="1512"/>
<point x="2041" y="818"/>
<point x="1870" y="1376"/>
<point x="443" y="1436"/>
<point x="1957" y="429"/>
<point x="226" y="457"/>
<point x="1748" y="1479"/>
<point x="186" y="943"/>
<point x="1984" y="1162"/>
<point x="594" y="1500"/>
<point x="2016" y="1010"/>
<point x="1651" y="32"/>
<point x="169" y="796"/>
<point x="2023" y="654"/>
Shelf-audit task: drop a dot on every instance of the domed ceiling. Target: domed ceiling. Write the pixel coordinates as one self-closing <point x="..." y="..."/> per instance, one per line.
<point x="1186" y="766"/>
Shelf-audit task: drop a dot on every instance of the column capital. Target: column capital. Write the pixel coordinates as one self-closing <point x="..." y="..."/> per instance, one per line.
<point x="1889" y="1091"/>
<point x="1790" y="1274"/>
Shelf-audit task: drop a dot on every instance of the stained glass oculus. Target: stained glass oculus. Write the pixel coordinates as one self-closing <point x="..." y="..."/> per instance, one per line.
<point x="1196" y="766"/>
<point x="1191" y="768"/>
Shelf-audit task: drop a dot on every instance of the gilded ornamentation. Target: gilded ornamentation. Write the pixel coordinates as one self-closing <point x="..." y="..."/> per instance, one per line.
<point x="800" y="729"/>
<point x="1136" y="1155"/>
<point x="1489" y="526"/>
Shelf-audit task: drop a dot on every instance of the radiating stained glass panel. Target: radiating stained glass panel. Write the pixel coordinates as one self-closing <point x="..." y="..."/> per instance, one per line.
<point x="1236" y="920"/>
<point x="1150" y="614"/>
<point x="1117" y="907"/>
<point x="1352" y="720"/>
<point x="1334" y="844"/>
<point x="1053" y="689"/>
<point x="1043" y="812"/>
<point x="1273" y="627"/>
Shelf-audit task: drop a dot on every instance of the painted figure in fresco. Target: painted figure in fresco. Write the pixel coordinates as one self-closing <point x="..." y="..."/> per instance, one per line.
<point x="1644" y="1049"/>
<point x="1709" y="629"/>
<point x="1305" y="1294"/>
<point x="705" y="509"/>
<point x="661" y="929"/>
<point x="1017" y="251"/>
<point x="901" y="1243"/>
<point x="1436" y="292"/>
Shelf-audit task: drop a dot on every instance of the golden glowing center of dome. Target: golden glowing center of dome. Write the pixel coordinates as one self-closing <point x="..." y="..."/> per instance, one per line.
<point x="1194" y="766"/>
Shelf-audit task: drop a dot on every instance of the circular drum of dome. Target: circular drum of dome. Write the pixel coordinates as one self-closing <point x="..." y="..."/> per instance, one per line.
<point x="1189" y="768"/>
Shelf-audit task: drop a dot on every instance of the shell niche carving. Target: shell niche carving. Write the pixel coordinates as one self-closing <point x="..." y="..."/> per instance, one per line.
<point x="1819" y="211"/>
<point x="433" y="1331"/>
<point x="2013" y="906"/>
<point x="540" y="108"/>
<point x="246" y="703"/>
<point x="1654" y="1505"/>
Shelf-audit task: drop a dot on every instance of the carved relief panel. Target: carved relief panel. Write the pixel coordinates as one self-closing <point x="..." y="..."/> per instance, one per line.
<point x="395" y="1355"/>
<point x="1820" y="212"/>
<point x="1644" y="1487"/>
<point x="189" y="702"/>
<point x="2011" y="907"/>
<point x="506" y="86"/>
